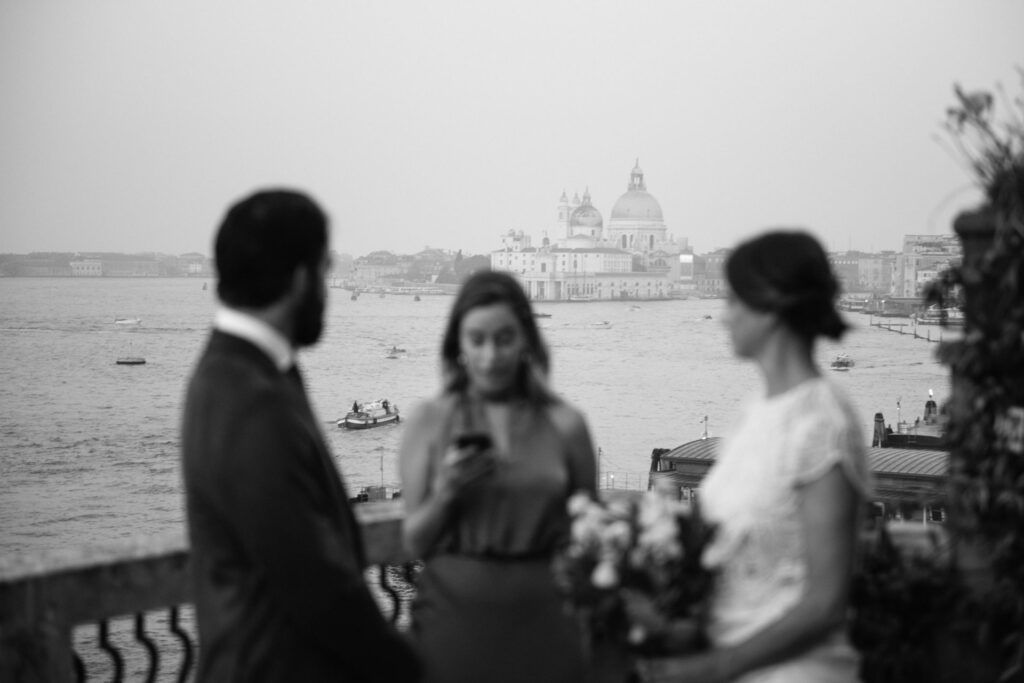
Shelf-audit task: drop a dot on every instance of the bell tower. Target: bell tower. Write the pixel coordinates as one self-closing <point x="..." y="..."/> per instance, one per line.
<point x="636" y="178"/>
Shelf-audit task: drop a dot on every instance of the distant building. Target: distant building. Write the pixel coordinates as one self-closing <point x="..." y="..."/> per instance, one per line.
<point x="87" y="268"/>
<point x="709" y="273"/>
<point x="377" y="265"/>
<point x="631" y="258"/>
<point x="922" y="259"/>
<point x="875" y="272"/>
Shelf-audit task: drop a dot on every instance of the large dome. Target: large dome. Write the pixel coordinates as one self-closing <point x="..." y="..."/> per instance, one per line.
<point x="636" y="205"/>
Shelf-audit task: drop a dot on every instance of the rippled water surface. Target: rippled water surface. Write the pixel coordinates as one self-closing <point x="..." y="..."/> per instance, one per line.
<point x="88" y="448"/>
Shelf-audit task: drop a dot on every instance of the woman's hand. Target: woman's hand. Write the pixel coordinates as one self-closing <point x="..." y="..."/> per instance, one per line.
<point x="464" y="465"/>
<point x="647" y="621"/>
<point x="643" y="614"/>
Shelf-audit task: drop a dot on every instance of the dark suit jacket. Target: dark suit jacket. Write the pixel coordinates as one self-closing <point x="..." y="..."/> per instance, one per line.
<point x="277" y="555"/>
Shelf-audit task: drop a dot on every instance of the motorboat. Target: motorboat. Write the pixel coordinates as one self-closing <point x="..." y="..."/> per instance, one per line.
<point x="374" y="494"/>
<point x="933" y="315"/>
<point x="127" y="321"/>
<point x="369" y="414"/>
<point x="842" y="363"/>
<point x="129" y="358"/>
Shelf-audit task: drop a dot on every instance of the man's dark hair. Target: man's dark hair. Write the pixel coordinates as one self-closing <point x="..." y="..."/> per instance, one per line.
<point x="260" y="243"/>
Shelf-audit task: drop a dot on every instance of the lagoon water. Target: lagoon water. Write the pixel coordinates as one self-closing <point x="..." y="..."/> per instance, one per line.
<point x="89" y="449"/>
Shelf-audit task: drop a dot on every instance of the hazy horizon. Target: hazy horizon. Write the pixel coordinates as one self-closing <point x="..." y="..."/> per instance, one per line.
<point x="129" y="127"/>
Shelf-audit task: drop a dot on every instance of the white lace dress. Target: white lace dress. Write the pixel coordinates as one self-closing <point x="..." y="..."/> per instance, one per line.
<point x="751" y="493"/>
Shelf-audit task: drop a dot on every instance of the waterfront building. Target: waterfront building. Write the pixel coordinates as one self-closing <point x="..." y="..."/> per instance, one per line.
<point x="709" y="273"/>
<point x="377" y="265"/>
<point x="87" y="268"/>
<point x="633" y="257"/>
<point x="922" y="259"/>
<point x="875" y="272"/>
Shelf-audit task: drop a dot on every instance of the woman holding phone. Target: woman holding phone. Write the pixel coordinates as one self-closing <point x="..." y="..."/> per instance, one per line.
<point x="487" y="468"/>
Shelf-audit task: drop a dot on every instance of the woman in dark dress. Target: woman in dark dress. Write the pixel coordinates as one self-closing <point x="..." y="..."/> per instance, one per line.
<point x="487" y="467"/>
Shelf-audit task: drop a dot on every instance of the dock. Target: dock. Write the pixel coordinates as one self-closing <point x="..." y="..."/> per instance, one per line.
<point x="910" y="328"/>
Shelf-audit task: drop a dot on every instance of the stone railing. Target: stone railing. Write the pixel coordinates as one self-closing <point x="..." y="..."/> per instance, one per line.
<point x="140" y="592"/>
<point x="128" y="611"/>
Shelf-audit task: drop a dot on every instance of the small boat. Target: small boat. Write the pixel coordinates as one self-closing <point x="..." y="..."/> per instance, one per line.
<point x="603" y="325"/>
<point x="933" y="315"/>
<point x="416" y="297"/>
<point x="127" y="321"/>
<point x="374" y="494"/>
<point x="130" y="358"/>
<point x="541" y="315"/>
<point x="842" y="363"/>
<point x="370" y="414"/>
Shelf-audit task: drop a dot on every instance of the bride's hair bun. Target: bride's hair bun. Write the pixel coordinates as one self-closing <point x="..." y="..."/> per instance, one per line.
<point x="787" y="272"/>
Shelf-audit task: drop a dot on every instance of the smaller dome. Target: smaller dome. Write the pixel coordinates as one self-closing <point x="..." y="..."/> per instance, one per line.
<point x="586" y="216"/>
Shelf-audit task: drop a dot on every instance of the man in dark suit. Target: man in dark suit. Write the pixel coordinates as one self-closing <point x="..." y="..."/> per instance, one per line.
<point x="277" y="555"/>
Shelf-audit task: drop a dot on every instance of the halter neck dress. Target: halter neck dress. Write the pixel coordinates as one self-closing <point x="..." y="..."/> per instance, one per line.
<point x="487" y="608"/>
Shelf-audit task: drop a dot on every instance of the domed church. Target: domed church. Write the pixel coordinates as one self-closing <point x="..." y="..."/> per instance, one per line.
<point x="636" y="223"/>
<point x="631" y="258"/>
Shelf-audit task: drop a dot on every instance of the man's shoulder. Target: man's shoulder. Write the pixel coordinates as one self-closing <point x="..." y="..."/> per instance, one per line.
<point x="233" y="370"/>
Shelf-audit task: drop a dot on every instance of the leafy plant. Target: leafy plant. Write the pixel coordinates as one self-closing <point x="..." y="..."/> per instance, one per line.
<point x="987" y="364"/>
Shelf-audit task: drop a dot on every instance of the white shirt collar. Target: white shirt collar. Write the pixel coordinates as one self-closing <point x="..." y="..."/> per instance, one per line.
<point x="252" y="329"/>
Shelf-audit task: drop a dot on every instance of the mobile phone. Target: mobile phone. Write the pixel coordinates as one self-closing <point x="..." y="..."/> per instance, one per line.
<point x="478" y="439"/>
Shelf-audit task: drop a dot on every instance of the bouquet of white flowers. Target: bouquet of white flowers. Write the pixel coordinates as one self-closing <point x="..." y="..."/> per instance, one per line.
<point x="632" y="571"/>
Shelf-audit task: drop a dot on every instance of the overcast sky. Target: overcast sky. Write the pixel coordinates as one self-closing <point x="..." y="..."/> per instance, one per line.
<point x="130" y="125"/>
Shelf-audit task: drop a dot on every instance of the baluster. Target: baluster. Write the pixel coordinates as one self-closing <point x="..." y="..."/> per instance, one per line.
<point x="186" y="644"/>
<point x="151" y="650"/>
<point x="411" y="574"/>
<point x="107" y="647"/>
<point x="385" y="585"/>
<point x="79" y="666"/>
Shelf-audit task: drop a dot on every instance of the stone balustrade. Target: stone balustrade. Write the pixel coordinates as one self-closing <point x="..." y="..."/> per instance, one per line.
<point x="44" y="599"/>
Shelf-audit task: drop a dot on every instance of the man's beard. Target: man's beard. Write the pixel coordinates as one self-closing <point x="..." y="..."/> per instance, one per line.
<point x="309" y="316"/>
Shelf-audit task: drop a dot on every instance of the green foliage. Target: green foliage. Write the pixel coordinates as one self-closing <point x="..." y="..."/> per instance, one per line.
<point x="902" y="606"/>
<point x="987" y="469"/>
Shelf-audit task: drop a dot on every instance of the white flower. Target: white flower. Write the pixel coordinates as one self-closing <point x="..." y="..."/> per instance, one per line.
<point x="662" y="535"/>
<point x="616" y="535"/>
<point x="605" y="575"/>
<point x="637" y="634"/>
<point x="579" y="503"/>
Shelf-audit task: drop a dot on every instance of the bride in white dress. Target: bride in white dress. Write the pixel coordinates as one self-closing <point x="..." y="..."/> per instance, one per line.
<point x="786" y="490"/>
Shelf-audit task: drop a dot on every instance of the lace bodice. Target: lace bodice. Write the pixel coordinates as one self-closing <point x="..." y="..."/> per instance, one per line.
<point x="751" y="493"/>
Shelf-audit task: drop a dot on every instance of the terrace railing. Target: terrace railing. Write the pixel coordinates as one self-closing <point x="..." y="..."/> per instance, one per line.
<point x="134" y="604"/>
<point x="127" y="612"/>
